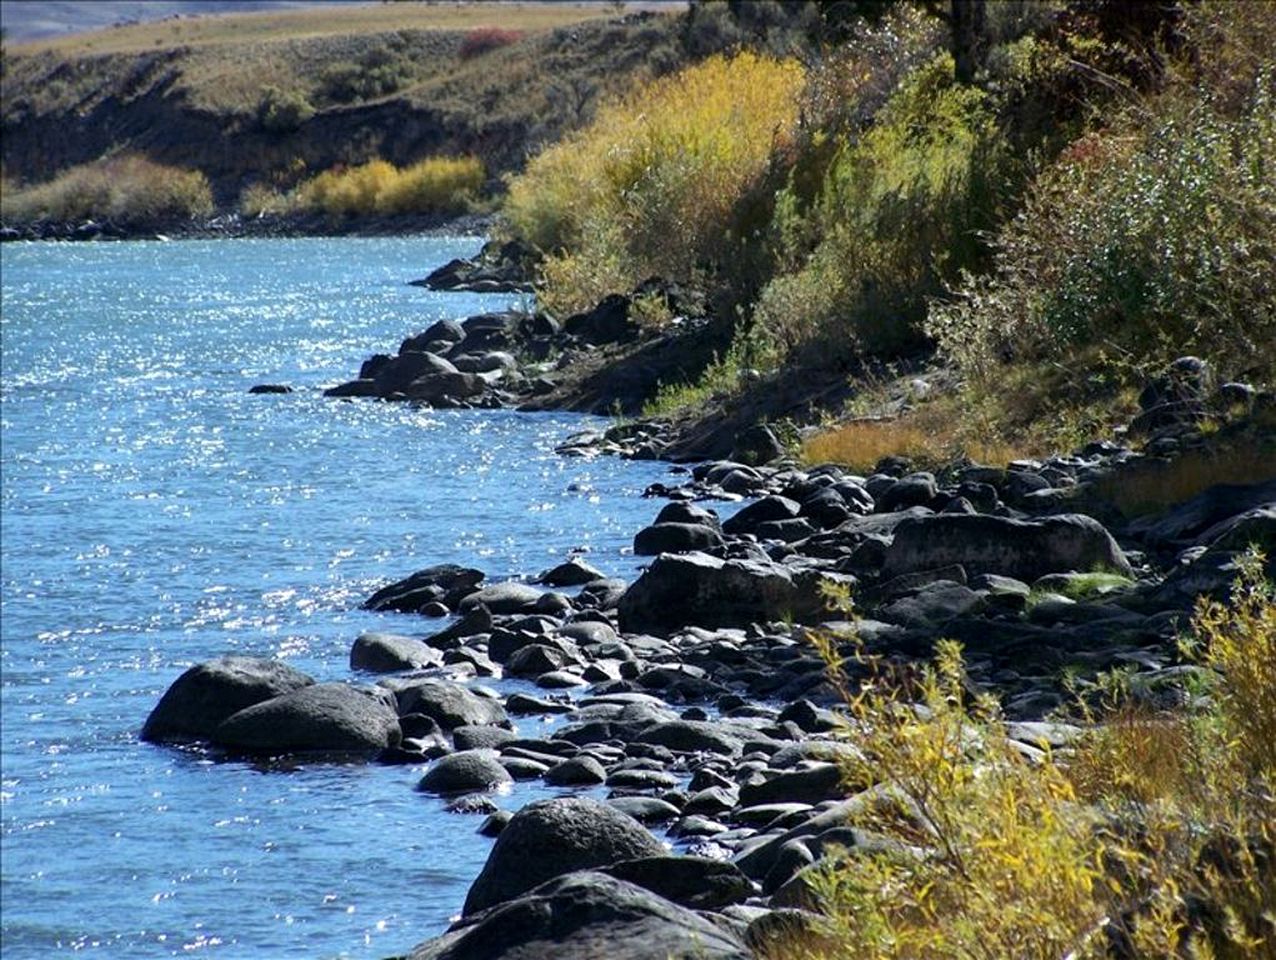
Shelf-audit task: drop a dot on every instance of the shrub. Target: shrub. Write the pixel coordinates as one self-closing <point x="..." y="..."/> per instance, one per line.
<point x="125" y="189"/>
<point x="280" y="112"/>
<point x="378" y="72"/>
<point x="898" y="212"/>
<point x="482" y="40"/>
<point x="433" y="185"/>
<point x="1153" y="836"/>
<point x="650" y="186"/>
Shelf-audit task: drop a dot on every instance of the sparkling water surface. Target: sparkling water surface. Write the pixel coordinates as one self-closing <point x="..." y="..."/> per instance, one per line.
<point x="155" y="514"/>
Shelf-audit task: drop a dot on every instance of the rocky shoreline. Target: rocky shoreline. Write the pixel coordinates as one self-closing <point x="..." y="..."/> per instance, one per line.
<point x="693" y="695"/>
<point x="229" y="226"/>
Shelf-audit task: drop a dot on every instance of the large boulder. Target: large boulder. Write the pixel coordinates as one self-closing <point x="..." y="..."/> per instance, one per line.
<point x="695" y="588"/>
<point x="450" y="705"/>
<point x="1024" y="549"/>
<point x="585" y="915"/>
<point x="327" y="717"/>
<point x="695" y="882"/>
<point x="401" y="371"/>
<point x="551" y="837"/>
<point x="208" y="693"/>
<point x="444" y="583"/>
<point x="508" y="597"/>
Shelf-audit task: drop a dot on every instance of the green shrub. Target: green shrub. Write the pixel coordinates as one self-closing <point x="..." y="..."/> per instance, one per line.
<point x="280" y="112"/>
<point x="378" y="73"/>
<point x="650" y="186"/>
<point x="1156" y="237"/>
<point x="898" y="212"/>
<point x="125" y="189"/>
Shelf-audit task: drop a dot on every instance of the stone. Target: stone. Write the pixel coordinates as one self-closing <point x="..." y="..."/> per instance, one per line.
<point x="450" y="705"/>
<point x="816" y="783"/>
<point x="446" y="583"/>
<point x="757" y="445"/>
<point x="504" y="598"/>
<point x="270" y="388"/>
<point x="678" y="589"/>
<point x="397" y="375"/>
<point x="694" y="882"/>
<point x="692" y="736"/>
<point x="585" y="915"/>
<point x="675" y="538"/>
<point x="914" y="490"/>
<point x="571" y="573"/>
<point x="390" y="652"/>
<point x="762" y="511"/>
<point x="206" y="694"/>
<point x="645" y="809"/>
<point x="577" y="772"/>
<point x="1022" y="549"/>
<point x="608" y="322"/>
<point x="549" y="838"/>
<point x="469" y="771"/>
<point x="483" y="737"/>
<point x="323" y="717"/>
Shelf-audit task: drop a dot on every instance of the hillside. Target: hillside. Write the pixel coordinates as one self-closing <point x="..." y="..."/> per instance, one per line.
<point x="274" y="96"/>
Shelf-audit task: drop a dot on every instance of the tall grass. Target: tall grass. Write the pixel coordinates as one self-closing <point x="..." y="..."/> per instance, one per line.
<point x="433" y="185"/>
<point x="650" y="186"/>
<point x="124" y="189"/>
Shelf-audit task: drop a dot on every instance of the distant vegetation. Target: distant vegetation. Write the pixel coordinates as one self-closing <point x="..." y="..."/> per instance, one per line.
<point x="434" y="185"/>
<point x="127" y="189"/>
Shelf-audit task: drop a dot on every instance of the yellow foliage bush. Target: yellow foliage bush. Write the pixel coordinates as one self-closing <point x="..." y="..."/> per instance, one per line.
<point x="433" y="185"/>
<point x="650" y="186"/>
<point x="1153" y="836"/>
<point x="125" y="188"/>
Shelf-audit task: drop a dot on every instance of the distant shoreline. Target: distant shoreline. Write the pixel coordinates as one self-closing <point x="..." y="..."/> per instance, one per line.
<point x="234" y="226"/>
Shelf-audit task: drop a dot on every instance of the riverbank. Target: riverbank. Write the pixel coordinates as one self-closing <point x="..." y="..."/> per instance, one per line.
<point x="696" y="695"/>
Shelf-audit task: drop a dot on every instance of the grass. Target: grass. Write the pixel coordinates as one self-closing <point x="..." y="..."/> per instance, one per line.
<point x="1152" y="836"/>
<point x="326" y="20"/>
<point x="126" y="189"/>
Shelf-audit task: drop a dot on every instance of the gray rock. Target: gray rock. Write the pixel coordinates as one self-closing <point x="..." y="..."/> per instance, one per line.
<point x="437" y="387"/>
<point x="333" y="717"/>
<point x="208" y="693"/>
<point x="675" y="538"/>
<point x="819" y="782"/>
<point x="551" y="837"/>
<point x="481" y="737"/>
<point x="1023" y="549"/>
<point x="762" y="511"/>
<point x="571" y="573"/>
<point x="678" y="589"/>
<point x="389" y="652"/>
<point x="585" y="916"/>
<point x="503" y="598"/>
<point x="933" y="605"/>
<point x="914" y="490"/>
<point x="576" y="772"/>
<point x="694" y="882"/>
<point x="470" y="771"/>
<point x="401" y="371"/>
<point x="693" y="736"/>
<point x="446" y="583"/>
<point x="645" y="809"/>
<point x="449" y="704"/>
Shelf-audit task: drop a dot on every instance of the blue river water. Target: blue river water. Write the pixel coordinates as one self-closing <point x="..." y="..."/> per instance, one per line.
<point x="155" y="514"/>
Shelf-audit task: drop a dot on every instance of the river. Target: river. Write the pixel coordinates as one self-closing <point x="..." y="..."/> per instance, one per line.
<point x="155" y="514"/>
